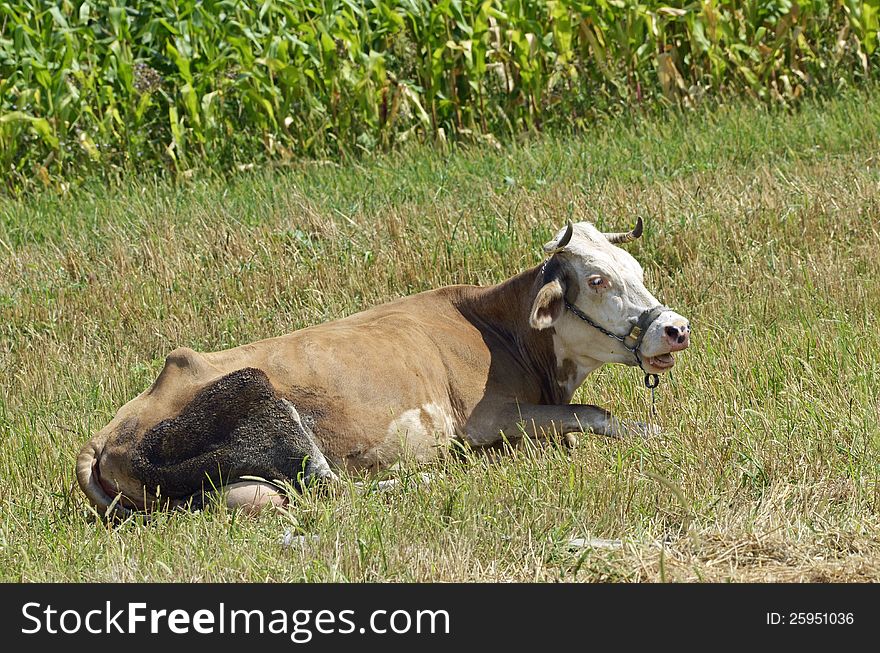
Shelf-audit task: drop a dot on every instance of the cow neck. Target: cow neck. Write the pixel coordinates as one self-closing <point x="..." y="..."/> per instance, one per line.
<point x="501" y="312"/>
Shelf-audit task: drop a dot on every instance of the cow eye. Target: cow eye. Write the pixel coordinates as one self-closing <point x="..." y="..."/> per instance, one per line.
<point x="597" y="281"/>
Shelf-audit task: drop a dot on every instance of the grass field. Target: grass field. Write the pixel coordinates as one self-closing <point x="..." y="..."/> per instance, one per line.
<point x="760" y="227"/>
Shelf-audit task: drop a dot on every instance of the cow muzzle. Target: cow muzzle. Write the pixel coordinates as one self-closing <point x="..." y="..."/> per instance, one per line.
<point x="667" y="334"/>
<point x="679" y="337"/>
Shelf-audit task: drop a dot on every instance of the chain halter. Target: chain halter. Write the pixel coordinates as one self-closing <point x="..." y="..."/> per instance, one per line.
<point x="636" y="335"/>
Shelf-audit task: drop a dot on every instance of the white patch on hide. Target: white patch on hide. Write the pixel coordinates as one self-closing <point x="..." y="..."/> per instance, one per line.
<point x="418" y="433"/>
<point x="408" y="424"/>
<point x="442" y="425"/>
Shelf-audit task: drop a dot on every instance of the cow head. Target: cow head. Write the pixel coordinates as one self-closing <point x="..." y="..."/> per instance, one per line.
<point x="591" y="288"/>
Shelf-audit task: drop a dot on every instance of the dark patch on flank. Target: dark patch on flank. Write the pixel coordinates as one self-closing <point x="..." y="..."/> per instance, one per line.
<point x="236" y="426"/>
<point x="126" y="434"/>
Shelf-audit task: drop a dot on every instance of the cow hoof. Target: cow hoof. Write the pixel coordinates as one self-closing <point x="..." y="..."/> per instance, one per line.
<point x="635" y="430"/>
<point x="646" y="431"/>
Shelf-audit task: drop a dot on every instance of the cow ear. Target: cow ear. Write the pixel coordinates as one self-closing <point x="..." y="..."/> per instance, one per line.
<point x="548" y="305"/>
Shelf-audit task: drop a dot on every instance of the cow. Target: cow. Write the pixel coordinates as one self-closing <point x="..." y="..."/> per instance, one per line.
<point x="474" y="365"/>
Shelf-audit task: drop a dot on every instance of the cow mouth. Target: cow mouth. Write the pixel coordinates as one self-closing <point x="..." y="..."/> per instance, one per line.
<point x="662" y="362"/>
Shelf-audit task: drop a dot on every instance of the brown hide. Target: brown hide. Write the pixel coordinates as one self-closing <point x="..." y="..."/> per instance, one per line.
<point x="399" y="380"/>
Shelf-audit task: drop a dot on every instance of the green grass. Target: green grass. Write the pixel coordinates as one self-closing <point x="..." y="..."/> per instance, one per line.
<point x="760" y="227"/>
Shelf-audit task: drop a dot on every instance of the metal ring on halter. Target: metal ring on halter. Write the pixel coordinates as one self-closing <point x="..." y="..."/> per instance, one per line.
<point x="652" y="381"/>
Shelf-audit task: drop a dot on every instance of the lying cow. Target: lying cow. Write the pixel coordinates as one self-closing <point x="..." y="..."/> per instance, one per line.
<point x="401" y="380"/>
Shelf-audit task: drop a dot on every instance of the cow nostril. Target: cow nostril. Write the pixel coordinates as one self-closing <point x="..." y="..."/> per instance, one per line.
<point x="672" y="332"/>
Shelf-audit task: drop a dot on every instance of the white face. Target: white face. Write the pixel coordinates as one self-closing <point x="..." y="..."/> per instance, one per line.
<point x="611" y="292"/>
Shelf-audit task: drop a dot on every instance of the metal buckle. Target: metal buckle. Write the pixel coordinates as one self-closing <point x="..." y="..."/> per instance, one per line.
<point x="635" y="333"/>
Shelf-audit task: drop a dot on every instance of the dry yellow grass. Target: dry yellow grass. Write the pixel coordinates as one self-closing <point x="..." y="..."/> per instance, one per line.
<point x="760" y="228"/>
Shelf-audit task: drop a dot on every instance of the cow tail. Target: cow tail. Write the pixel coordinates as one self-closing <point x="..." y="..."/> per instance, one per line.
<point x="88" y="476"/>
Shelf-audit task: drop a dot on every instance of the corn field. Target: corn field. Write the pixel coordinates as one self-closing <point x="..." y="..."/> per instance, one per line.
<point x="117" y="85"/>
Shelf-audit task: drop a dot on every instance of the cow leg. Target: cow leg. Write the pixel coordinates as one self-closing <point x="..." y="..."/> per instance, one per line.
<point x="252" y="496"/>
<point x="235" y="429"/>
<point x="540" y="421"/>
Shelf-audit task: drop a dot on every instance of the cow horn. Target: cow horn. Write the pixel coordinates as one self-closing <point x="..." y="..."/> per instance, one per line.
<point x="558" y="245"/>
<point x="626" y="236"/>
